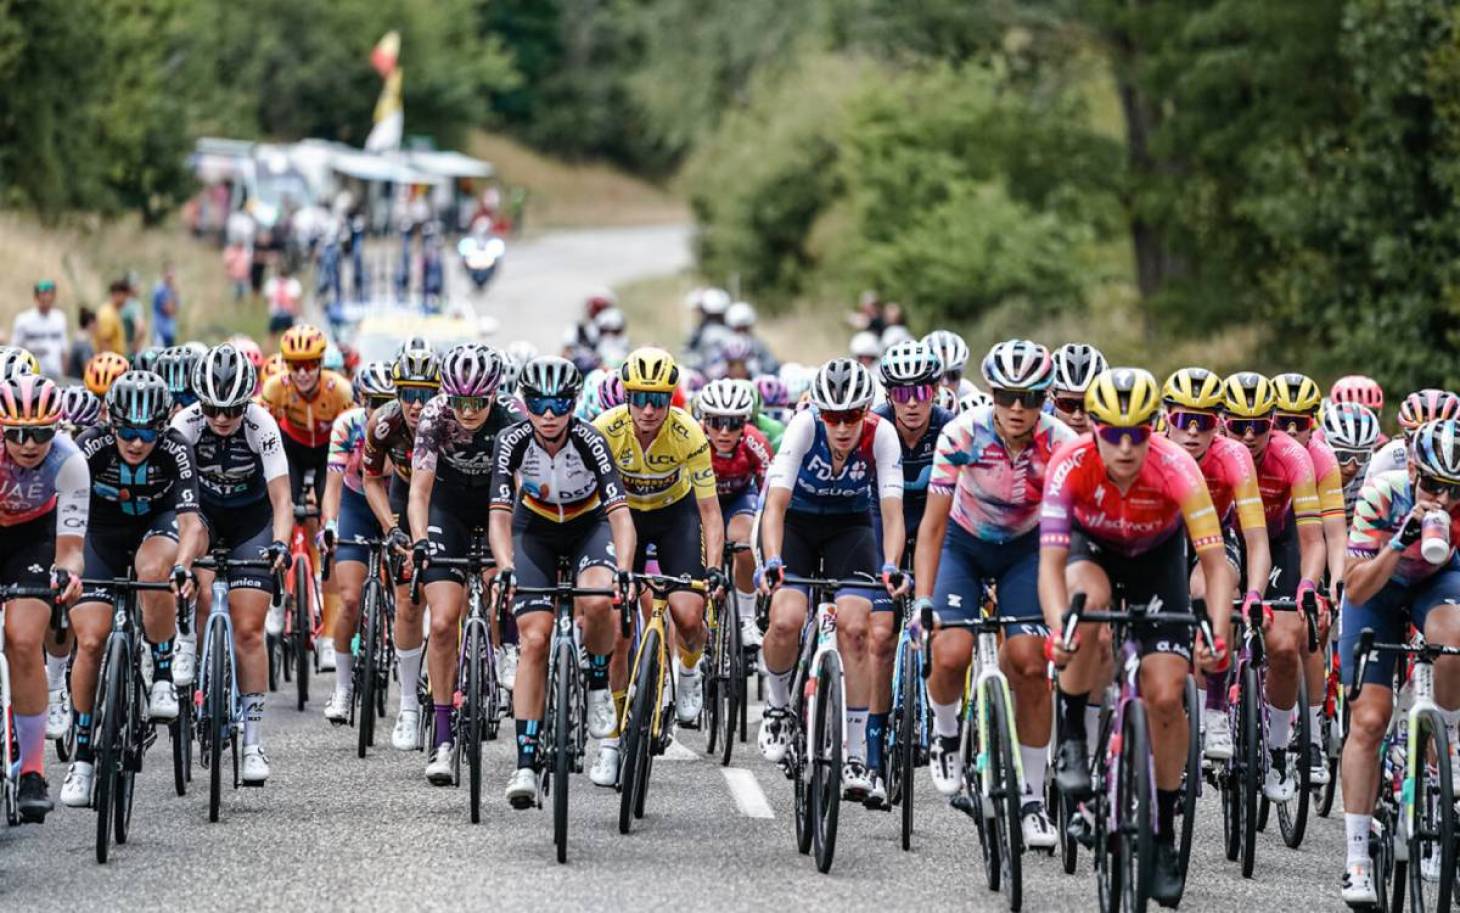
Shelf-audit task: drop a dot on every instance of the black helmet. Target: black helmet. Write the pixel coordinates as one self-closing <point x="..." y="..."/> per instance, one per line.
<point x="549" y="375"/>
<point x="138" y="398"/>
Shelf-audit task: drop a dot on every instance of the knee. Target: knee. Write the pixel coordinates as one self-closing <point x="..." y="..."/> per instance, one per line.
<point x="884" y="642"/>
<point x="596" y="608"/>
<point x="1164" y="699"/>
<point x="1367" y="723"/>
<point x="89" y="640"/>
<point x="785" y="624"/>
<point x="532" y="642"/>
<point x="1025" y="663"/>
<point x="248" y="637"/>
<point x="153" y="565"/>
<point x="443" y="627"/>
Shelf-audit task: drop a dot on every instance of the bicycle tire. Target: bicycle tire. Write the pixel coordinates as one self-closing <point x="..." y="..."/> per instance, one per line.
<point x="1008" y="830"/>
<point x="1251" y="768"/>
<point x="370" y="605"/>
<point x="106" y="736"/>
<point x="905" y="727"/>
<point x="471" y="729"/>
<point x="1135" y="837"/>
<point x="1432" y="816"/>
<point x="1293" y="814"/>
<point x="1063" y="809"/>
<point x="731" y="688"/>
<point x="274" y="650"/>
<point x="656" y="738"/>
<point x="636" y="737"/>
<point x="1191" y="785"/>
<point x="1332" y="751"/>
<point x="133" y="740"/>
<point x="826" y="759"/>
<point x="302" y="629"/>
<point x="565" y="666"/>
<point x="714" y="677"/>
<point x="972" y="752"/>
<point x="180" y="733"/>
<point x="220" y="719"/>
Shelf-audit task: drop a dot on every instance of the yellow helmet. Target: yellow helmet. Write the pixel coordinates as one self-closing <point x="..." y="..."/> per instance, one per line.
<point x="1296" y="394"/>
<point x="303" y="342"/>
<point x="650" y="370"/>
<point x="1193" y="388"/>
<point x="1248" y="394"/>
<point x="272" y="366"/>
<point x="104" y="368"/>
<point x="1123" y="397"/>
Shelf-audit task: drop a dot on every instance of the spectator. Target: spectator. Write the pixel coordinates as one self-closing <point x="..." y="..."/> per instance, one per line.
<point x="42" y="330"/>
<point x="237" y="259"/>
<point x="134" y="317"/>
<point x="107" y="333"/>
<point x="81" y="345"/>
<point x="165" y="307"/>
<point x="282" y="293"/>
<point x="869" y="314"/>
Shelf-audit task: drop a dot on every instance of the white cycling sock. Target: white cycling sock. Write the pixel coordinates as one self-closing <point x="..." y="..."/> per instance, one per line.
<point x="778" y="688"/>
<point x="1356" y="830"/>
<point x="1315" y="725"/>
<point x="1279" y="727"/>
<point x="945" y="718"/>
<point x="253" y="716"/>
<point x="344" y="675"/>
<point x="745" y="606"/>
<point x="1452" y="725"/>
<point x="856" y="733"/>
<point x="55" y="672"/>
<point x="410" y="673"/>
<point x="1034" y="761"/>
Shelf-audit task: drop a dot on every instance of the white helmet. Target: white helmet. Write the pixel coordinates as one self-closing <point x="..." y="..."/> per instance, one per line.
<point x="908" y="364"/>
<point x="610" y="320"/>
<point x="728" y="397"/>
<point x="1076" y="365"/>
<point x="714" y="301"/>
<point x="973" y="399"/>
<point x="1018" y="364"/>
<point x="842" y="383"/>
<point x="866" y="345"/>
<point x="740" y="316"/>
<point x="521" y="351"/>
<point x="947" y="398"/>
<point x="952" y="351"/>
<point x="1350" y="426"/>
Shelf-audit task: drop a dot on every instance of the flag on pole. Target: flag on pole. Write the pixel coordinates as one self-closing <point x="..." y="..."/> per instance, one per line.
<point x="390" y="116"/>
<point x="386" y="52"/>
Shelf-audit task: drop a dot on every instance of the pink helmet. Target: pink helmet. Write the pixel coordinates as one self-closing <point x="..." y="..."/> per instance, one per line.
<point x="773" y="393"/>
<point x="1358" y="388"/>
<point x="611" y="391"/>
<point x="29" y="400"/>
<point x="1427" y="405"/>
<point x="471" y="370"/>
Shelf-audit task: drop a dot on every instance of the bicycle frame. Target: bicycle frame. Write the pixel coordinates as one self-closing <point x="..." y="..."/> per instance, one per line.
<point x="219" y="627"/>
<point x="658" y="616"/>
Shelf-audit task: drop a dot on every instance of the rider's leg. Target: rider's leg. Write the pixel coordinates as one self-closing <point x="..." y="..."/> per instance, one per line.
<point x="91" y="622"/>
<point x="349" y="575"/>
<point x="159" y="610"/>
<point x="445" y="598"/>
<point x="26" y="621"/>
<point x="247" y="606"/>
<point x="534" y="631"/>
<point x="853" y="620"/>
<point x="783" y="643"/>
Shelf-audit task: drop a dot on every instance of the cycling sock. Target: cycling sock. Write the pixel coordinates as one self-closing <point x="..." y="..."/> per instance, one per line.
<point x="1092" y="724"/>
<point x="84" y="751"/>
<point x="1356" y="832"/>
<point x="410" y="674"/>
<point x="1452" y="723"/>
<point x="527" y="743"/>
<point x="857" y="734"/>
<point x="745" y="606"/>
<point x="55" y="671"/>
<point x="876" y="729"/>
<point x="1216" y="696"/>
<point x="1166" y="800"/>
<point x="344" y="674"/>
<point x="1034" y="759"/>
<point x="162" y="661"/>
<point x="253" y="716"/>
<point x="30" y="732"/>
<point x="1279" y="727"/>
<point x="1072" y="719"/>
<point x="1315" y="725"/>
<point x="597" y="672"/>
<point x="945" y="718"/>
<point x="441" y="734"/>
<point x="778" y="688"/>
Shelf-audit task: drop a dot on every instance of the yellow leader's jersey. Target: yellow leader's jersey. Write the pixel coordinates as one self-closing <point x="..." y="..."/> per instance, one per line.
<point x="676" y="462"/>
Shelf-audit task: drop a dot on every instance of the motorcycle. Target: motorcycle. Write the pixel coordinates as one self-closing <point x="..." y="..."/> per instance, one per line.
<point x="480" y="256"/>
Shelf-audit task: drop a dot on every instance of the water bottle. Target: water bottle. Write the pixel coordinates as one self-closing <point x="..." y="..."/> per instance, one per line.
<point x="1435" y="537"/>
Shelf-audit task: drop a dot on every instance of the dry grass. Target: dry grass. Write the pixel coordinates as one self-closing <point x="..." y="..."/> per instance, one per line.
<point x="569" y="195"/>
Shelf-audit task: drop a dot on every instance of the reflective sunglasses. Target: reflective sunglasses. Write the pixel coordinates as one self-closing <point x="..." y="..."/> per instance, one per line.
<point x="724" y="422"/>
<point x="415" y="396"/>
<point x="843" y="416"/>
<point x="649" y="399"/>
<point x="1114" y="434"/>
<point x="1070" y="404"/>
<point x="305" y="365"/>
<point x="1029" y="399"/>
<point x="1347" y="457"/>
<point x="467" y="403"/>
<point x="917" y="393"/>
<point x="542" y="405"/>
<point x="1295" y="424"/>
<point x="1192" y="421"/>
<point x="40" y="434"/>
<point x="1241" y="427"/>
<point x="131" y="433"/>
<point x="224" y="411"/>
<point x="1427" y="483"/>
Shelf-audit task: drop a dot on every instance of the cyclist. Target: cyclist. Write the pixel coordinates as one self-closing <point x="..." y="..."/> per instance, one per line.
<point x="80" y="409"/>
<point x="835" y="458"/>
<point x="1193" y="401"/>
<point x="1358" y="388"/>
<point x="451" y="476"/>
<point x="664" y="460"/>
<point x="569" y="504"/>
<point x="305" y="400"/>
<point x="1113" y="504"/>
<point x="43" y="522"/>
<point x="1076" y="365"/>
<point x="1352" y="431"/>
<point x="175" y="365"/>
<point x="740" y="455"/>
<point x="390" y="437"/>
<point x="988" y="474"/>
<point x="347" y="521"/>
<point x="1421" y="406"/>
<point x="104" y="368"/>
<point x="952" y="354"/>
<point x="243" y="487"/>
<point x="144" y="503"/>
<point x="910" y="372"/>
<point x="1391" y="584"/>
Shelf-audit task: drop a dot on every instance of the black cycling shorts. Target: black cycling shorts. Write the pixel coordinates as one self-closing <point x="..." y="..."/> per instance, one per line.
<point x="449" y="527"/>
<point x="27" y="551"/>
<point x="1287" y="561"/>
<point x="1233" y="544"/>
<point x="834" y="548"/>
<point x="1159" y="574"/>
<point x="108" y="551"/>
<point x="301" y="460"/>
<point x="675" y="533"/>
<point x="243" y="544"/>
<point x="539" y="544"/>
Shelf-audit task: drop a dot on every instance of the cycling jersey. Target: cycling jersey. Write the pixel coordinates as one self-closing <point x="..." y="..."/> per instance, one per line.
<point x="1382" y="506"/>
<point x="676" y="462"/>
<point x="917" y="463"/>
<point x="388" y="436"/>
<point x="1285" y="478"/>
<point x="59" y="483"/>
<point x="306" y="419"/>
<point x="771" y="429"/>
<point x="804" y="466"/>
<point x="233" y="471"/>
<point x="165" y="482"/>
<point x="1168" y="491"/>
<point x="574" y="482"/>
<point x="744" y="467"/>
<point x="1231" y="479"/>
<point x="460" y="458"/>
<point x="1327" y="478"/>
<point x="996" y="495"/>
<point x="347" y="448"/>
<point x="1392" y="456"/>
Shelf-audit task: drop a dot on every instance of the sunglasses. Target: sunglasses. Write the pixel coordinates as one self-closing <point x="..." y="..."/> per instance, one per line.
<point x="375" y="402"/>
<point x="1069" y="405"/>
<point x="843" y="416"/>
<point x="224" y="411"/>
<point x="467" y="403"/>
<point x="131" y="433"/>
<point x="1192" y="421"/>
<point x="1114" y="434"/>
<point x="1427" y="483"/>
<point x="1295" y="424"/>
<point x="1241" y="427"/>
<point x="917" y="393"/>
<point x="724" y="422"/>
<point x="1029" y="399"/>
<point x="1348" y="457"/>
<point x="40" y="434"/>
<point x="415" y="396"/>
<point x="304" y="365"/>
<point x="649" y="399"/>
<point x="559" y="406"/>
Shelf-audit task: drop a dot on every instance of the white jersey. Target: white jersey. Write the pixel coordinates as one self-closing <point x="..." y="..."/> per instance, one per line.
<point x="44" y="335"/>
<point x="1393" y="455"/>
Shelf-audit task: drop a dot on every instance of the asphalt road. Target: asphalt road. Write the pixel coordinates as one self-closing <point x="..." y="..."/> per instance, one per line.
<point x="333" y="832"/>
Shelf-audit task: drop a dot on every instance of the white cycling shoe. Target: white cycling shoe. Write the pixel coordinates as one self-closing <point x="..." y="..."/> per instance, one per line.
<point x="405" y="735"/>
<point x="274" y="619"/>
<point x="76" y="791"/>
<point x="58" y="714"/>
<point x="605" y="767"/>
<point x="775" y="734"/>
<point x="522" y="788"/>
<point x="1278" y="786"/>
<point x="184" y="661"/>
<point x="337" y="708"/>
<point x="1038" y="831"/>
<point x="943" y="762"/>
<point x="1358" y="886"/>
<point x="750" y="636"/>
<point x="602" y="720"/>
<point x="324" y="649"/>
<point x="1217" y="743"/>
<point x="690" y="699"/>
<point x="507" y="666"/>
<point x="162" y="702"/>
<point x="439" y="772"/>
<point x="856" y="780"/>
<point x="255" y="766"/>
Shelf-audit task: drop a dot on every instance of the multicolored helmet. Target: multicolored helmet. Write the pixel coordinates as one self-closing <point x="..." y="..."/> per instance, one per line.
<point x="80" y="408"/>
<point x="1435" y="450"/>
<point x="416" y="367"/>
<point x="1350" y="426"/>
<point x="611" y="392"/>
<point x="303" y="342"/>
<point x="175" y="365"/>
<point x="375" y="383"/>
<point x="15" y="360"/>
<point x="1018" y="364"/>
<point x="101" y="371"/>
<point x="29" y="400"/>
<point x="1427" y="405"/>
<point x="1358" y="388"/>
<point x="471" y="369"/>
<point x="139" y="398"/>
<point x="551" y="376"/>
<point x="773" y="393"/>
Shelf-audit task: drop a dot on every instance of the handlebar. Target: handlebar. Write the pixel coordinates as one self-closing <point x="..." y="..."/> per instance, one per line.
<point x="43" y="593"/>
<point x="1365" y="647"/>
<point x="217" y="562"/>
<point x="1309" y="609"/>
<point x="859" y="579"/>
<point x="930" y="622"/>
<point x="661" y="586"/>
<point x="472" y="563"/>
<point x="1135" y="614"/>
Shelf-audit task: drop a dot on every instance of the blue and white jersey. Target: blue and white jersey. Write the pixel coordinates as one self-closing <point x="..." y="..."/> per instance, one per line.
<point x="917" y="465"/>
<point x="804" y="465"/>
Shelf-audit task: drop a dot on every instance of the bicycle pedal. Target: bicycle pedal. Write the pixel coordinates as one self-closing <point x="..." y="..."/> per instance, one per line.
<point x="965" y="805"/>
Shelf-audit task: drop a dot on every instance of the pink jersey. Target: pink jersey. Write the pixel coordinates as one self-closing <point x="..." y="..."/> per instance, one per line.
<point x="347" y="448"/>
<point x="1285" y="478"/>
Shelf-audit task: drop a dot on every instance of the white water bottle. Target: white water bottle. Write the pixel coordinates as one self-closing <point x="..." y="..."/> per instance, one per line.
<point x="1434" y="542"/>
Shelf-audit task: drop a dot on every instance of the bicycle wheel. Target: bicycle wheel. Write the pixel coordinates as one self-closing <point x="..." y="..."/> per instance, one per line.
<point x="181" y="734"/>
<point x="1135" y="836"/>
<point x="826" y="759"/>
<point x="1293" y="814"/>
<point x="1249" y="768"/>
<point x="106" y="737"/>
<point x="715" y="677"/>
<point x="369" y="658"/>
<point x="134" y="737"/>
<point x="1007" y="791"/>
<point x="220" y="718"/>
<point x="904" y="727"/>
<point x="565" y="668"/>
<point x="1063" y="809"/>
<point x="302" y="629"/>
<point x="472" y="710"/>
<point x="974" y="755"/>
<point x="1191" y="782"/>
<point x="1431" y="824"/>
<point x="638" y="737"/>
<point x="732" y="687"/>
<point x="275" y="651"/>
<point x="1332" y="751"/>
<point x="796" y="760"/>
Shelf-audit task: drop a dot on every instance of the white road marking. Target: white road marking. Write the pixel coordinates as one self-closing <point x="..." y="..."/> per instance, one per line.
<point x="746" y="792"/>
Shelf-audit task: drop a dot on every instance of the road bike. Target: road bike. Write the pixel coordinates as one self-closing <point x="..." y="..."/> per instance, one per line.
<point x="726" y="697"/>
<point x="9" y="742"/>
<point x="373" y="653"/>
<point x="302" y="603"/>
